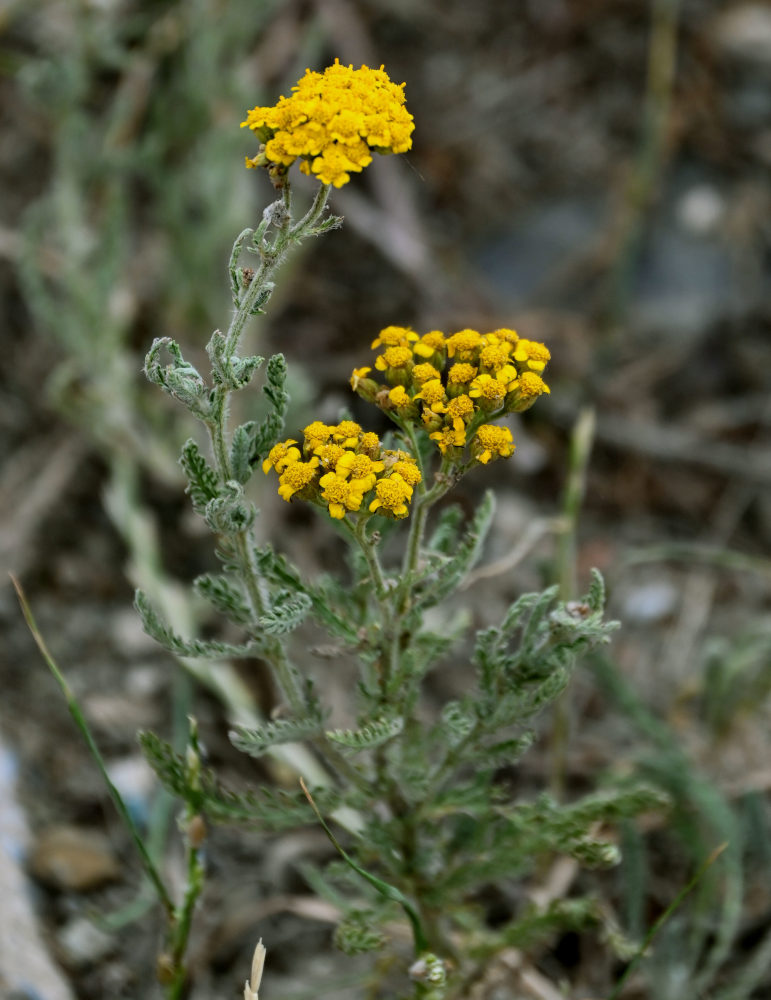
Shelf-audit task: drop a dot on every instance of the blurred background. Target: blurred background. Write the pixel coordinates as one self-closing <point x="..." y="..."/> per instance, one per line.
<point x="592" y="173"/>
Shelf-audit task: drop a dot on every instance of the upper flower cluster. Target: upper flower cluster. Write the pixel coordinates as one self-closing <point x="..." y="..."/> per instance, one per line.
<point x="454" y="385"/>
<point x="333" y="121"/>
<point x="339" y="465"/>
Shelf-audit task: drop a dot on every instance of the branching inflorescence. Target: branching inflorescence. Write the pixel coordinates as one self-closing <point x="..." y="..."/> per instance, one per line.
<point x="416" y="789"/>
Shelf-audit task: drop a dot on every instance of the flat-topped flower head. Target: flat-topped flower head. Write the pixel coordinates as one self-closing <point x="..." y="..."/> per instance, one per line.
<point x="532" y="385"/>
<point x="333" y="121"/>
<point x="396" y="363"/>
<point x="394" y="357"/>
<point x="491" y="442"/>
<point x="400" y="400"/>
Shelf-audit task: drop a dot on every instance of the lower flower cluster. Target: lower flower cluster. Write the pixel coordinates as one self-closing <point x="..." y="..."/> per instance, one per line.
<point x="449" y="387"/>
<point x="345" y="469"/>
<point x="453" y="385"/>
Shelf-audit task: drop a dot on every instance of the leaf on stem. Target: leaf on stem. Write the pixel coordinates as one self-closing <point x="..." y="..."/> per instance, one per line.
<point x="165" y="636"/>
<point x="373" y="734"/>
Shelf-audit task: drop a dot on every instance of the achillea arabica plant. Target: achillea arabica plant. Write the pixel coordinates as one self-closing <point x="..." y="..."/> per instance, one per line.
<point x="427" y="826"/>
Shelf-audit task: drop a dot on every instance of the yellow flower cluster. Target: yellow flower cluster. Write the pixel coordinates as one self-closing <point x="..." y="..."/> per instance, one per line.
<point x="333" y="121"/>
<point x="453" y="384"/>
<point x="339" y="465"/>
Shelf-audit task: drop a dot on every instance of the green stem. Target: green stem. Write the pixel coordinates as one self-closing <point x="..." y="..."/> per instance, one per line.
<point x="80" y="722"/>
<point x="656" y="927"/>
<point x="417" y="528"/>
<point x="580" y="450"/>
<point x="287" y="678"/>
<point x="195" y="874"/>
<point x="272" y="254"/>
<point x="359" y="533"/>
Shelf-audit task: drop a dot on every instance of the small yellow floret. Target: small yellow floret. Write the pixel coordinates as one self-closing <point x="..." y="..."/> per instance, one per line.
<point x="359" y="468"/>
<point x="369" y="444"/>
<point x="357" y="375"/>
<point x="394" y="357"/>
<point x="433" y="395"/>
<point x="531" y="385"/>
<point x="464" y="344"/>
<point x="341" y="494"/>
<point x="394" y="336"/>
<point x="316" y="434"/>
<point x="460" y="409"/>
<point x="296" y="477"/>
<point x="424" y="372"/>
<point x="391" y="496"/>
<point x="408" y="470"/>
<point x="281" y="455"/>
<point x="493" y="357"/>
<point x="447" y="438"/>
<point x="532" y="354"/>
<point x="399" y="397"/>
<point x="491" y="442"/>
<point x="347" y="433"/>
<point x="429" y="344"/>
<point x="461" y="373"/>
<point x="502" y="334"/>
<point x="329" y="454"/>
<point x="488" y="390"/>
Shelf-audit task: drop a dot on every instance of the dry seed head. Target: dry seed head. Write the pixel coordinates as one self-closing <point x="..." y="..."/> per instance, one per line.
<point x="258" y="961"/>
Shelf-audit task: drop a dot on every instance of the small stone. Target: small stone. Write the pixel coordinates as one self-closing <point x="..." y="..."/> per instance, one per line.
<point x="81" y="943"/>
<point x="650" y="602"/>
<point x="701" y="209"/>
<point x="136" y="782"/>
<point x="72" y="859"/>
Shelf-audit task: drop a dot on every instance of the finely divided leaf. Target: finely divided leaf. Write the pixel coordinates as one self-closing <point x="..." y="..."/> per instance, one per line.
<point x="203" y="485"/>
<point x="259" y="739"/>
<point x="373" y="734"/>
<point x="444" y="580"/>
<point x="165" y="636"/>
<point x="286" y="614"/>
<point x="241" y="451"/>
<point x="271" y="809"/>
<point x="225" y="596"/>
